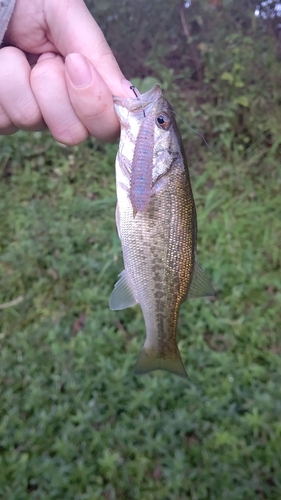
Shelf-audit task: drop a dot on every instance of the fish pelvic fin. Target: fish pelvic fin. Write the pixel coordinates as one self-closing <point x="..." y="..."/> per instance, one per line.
<point x="122" y="295"/>
<point x="150" y="359"/>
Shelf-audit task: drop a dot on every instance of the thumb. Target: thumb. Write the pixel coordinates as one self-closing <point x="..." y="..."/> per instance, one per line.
<point x="91" y="98"/>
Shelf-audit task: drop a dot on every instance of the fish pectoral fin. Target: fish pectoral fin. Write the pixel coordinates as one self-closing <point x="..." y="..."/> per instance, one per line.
<point x="121" y="295"/>
<point x="200" y="285"/>
<point x="150" y="360"/>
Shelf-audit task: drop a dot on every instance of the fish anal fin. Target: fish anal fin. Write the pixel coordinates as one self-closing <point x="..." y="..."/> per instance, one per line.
<point x="200" y="285"/>
<point x="121" y="296"/>
<point x="150" y="360"/>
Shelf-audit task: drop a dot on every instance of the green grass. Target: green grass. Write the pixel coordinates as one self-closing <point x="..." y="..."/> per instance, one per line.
<point x="75" y="423"/>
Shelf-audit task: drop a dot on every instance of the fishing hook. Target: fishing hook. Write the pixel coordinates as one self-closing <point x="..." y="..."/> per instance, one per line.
<point x="133" y="88"/>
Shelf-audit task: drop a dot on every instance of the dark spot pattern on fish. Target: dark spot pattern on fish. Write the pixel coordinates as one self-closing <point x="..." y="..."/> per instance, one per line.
<point x="157" y="226"/>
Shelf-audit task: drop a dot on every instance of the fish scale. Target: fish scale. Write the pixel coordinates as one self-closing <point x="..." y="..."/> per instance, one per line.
<point x="156" y="220"/>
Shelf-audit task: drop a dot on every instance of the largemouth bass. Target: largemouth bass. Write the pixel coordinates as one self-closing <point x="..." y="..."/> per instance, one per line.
<point x="156" y="222"/>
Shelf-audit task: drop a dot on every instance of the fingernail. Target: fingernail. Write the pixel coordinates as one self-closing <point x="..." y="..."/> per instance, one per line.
<point x="126" y="85"/>
<point x="78" y="69"/>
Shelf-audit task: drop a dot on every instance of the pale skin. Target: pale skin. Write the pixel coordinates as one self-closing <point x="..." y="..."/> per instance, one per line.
<point x="59" y="73"/>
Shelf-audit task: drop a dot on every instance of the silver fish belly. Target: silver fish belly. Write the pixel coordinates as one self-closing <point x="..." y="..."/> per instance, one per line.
<point x="156" y="222"/>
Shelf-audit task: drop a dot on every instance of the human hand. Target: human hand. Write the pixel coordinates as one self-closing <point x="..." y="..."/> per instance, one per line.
<point x="59" y="72"/>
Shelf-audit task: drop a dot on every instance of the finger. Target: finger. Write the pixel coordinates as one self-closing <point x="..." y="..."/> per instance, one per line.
<point x="16" y="97"/>
<point x="49" y="86"/>
<point x="81" y="34"/>
<point x="6" y="126"/>
<point x="91" y="98"/>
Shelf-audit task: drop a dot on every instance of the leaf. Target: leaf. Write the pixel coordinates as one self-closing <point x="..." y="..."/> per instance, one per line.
<point x="242" y="100"/>
<point x="227" y="76"/>
<point x="239" y="84"/>
<point x="143" y="85"/>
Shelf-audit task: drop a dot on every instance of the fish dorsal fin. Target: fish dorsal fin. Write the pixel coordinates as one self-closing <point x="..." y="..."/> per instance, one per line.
<point x="121" y="296"/>
<point x="200" y="285"/>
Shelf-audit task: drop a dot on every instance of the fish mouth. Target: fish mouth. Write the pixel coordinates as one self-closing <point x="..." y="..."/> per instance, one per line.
<point x="142" y="102"/>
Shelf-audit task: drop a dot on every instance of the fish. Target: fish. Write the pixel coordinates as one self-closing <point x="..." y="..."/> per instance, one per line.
<point x="157" y="225"/>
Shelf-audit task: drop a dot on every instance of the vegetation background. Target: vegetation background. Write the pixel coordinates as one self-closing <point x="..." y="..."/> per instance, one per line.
<point x="75" y="424"/>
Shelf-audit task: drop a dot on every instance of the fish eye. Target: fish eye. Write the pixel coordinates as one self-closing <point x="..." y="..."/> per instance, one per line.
<point x="163" y="121"/>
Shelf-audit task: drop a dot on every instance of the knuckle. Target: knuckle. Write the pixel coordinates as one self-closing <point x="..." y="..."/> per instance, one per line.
<point x="39" y="74"/>
<point x="6" y="53"/>
<point x="26" y="115"/>
<point x="45" y="70"/>
<point x="6" y="125"/>
<point x="4" y="120"/>
<point x="71" y="135"/>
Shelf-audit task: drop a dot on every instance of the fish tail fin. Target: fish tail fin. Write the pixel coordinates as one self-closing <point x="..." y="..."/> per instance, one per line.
<point x="150" y="360"/>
